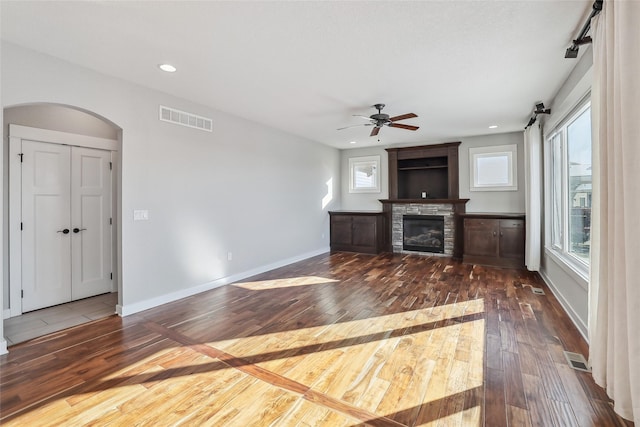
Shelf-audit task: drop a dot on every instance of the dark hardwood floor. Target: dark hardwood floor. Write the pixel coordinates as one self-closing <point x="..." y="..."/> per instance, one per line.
<point x="336" y="340"/>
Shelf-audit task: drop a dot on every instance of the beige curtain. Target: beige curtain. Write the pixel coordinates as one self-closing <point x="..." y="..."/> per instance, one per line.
<point x="533" y="192"/>
<point x="614" y="315"/>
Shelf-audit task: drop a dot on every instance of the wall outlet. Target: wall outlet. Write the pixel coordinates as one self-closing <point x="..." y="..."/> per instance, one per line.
<point x="141" y="215"/>
<point x="229" y="256"/>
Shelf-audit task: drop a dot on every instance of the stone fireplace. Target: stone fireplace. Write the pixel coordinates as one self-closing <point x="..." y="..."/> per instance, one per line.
<point x="444" y="211"/>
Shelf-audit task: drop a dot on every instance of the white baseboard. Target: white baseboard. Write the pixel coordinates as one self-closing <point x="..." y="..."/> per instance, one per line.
<point x="3" y="346"/>
<point x="6" y="313"/>
<point x="126" y="310"/>
<point x="577" y="321"/>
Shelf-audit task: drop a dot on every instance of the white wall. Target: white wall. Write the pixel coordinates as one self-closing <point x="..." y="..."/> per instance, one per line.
<point x="245" y="188"/>
<point x="480" y="201"/>
<point x="570" y="288"/>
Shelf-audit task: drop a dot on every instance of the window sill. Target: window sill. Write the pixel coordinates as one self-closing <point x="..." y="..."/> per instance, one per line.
<point x="578" y="272"/>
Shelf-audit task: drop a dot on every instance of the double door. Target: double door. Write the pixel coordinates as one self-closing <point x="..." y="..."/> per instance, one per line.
<point x="66" y="223"/>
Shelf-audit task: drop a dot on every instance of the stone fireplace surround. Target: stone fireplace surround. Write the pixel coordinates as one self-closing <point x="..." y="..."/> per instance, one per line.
<point x="439" y="209"/>
<point x="447" y="208"/>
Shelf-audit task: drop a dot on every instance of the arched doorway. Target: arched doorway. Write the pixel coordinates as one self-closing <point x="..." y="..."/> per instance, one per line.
<point x="54" y="121"/>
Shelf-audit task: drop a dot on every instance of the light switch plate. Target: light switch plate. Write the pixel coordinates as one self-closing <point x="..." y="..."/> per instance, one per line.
<point x="141" y="215"/>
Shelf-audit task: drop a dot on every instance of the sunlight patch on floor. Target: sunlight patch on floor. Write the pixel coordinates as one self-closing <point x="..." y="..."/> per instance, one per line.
<point x="284" y="283"/>
<point x="420" y="357"/>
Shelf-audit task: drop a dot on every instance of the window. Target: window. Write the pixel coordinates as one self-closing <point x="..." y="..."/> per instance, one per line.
<point x="364" y="176"/>
<point x="569" y="174"/>
<point x="493" y="168"/>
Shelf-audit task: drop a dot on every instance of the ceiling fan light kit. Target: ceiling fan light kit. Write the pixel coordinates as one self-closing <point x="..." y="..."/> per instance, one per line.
<point x="381" y="119"/>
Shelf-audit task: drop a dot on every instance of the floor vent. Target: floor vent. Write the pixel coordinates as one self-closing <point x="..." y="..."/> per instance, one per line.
<point x="183" y="118"/>
<point x="577" y="361"/>
<point x="537" y="291"/>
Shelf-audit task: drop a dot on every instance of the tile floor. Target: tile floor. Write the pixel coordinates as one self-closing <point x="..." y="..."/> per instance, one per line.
<point x="41" y="322"/>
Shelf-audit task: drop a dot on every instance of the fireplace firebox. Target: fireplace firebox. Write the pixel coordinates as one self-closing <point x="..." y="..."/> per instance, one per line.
<point x="423" y="233"/>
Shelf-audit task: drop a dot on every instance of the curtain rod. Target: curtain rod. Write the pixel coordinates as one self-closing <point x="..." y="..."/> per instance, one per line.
<point x="539" y="110"/>
<point x="572" y="51"/>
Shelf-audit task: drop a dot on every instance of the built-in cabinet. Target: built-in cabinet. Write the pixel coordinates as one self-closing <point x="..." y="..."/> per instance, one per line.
<point x="357" y="231"/>
<point x="494" y="239"/>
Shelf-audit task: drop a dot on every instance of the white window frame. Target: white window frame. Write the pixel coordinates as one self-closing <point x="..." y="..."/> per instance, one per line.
<point x="480" y="180"/>
<point x="560" y="252"/>
<point x="357" y="163"/>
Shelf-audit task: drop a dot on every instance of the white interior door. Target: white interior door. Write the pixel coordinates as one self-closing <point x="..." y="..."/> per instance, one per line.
<point x="46" y="247"/>
<point x="90" y="222"/>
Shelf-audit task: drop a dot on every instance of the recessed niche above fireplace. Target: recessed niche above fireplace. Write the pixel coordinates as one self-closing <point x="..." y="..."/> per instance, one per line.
<point x="425" y="172"/>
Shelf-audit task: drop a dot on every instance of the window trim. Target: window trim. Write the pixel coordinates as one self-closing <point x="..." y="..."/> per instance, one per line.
<point x="477" y="153"/>
<point x="354" y="162"/>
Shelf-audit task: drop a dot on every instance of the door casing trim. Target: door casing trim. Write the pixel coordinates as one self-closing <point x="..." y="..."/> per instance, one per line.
<point x="16" y="134"/>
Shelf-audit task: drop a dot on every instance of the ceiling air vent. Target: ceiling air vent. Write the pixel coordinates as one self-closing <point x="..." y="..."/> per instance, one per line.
<point x="183" y="118"/>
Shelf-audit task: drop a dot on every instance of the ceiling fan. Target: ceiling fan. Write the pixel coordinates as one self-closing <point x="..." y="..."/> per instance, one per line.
<point x="381" y="119"/>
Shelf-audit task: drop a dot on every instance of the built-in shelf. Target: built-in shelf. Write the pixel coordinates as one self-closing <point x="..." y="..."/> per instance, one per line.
<point x="416" y="168"/>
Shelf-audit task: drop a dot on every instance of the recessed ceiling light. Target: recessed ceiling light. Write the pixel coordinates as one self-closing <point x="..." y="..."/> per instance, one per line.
<point x="168" y="68"/>
<point x="352" y="142"/>
<point x="493" y="126"/>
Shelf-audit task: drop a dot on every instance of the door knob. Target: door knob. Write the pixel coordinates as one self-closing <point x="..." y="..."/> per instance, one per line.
<point x="65" y="231"/>
<point x="77" y="230"/>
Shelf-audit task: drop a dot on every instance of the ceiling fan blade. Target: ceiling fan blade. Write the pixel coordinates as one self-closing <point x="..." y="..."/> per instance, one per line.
<point x="407" y="127"/>
<point x="353" y="126"/>
<point x="375" y="131"/>
<point x="402" y="117"/>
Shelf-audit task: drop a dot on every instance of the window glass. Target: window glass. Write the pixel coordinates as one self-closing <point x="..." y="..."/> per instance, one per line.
<point x="556" y="191"/>
<point x="579" y="185"/>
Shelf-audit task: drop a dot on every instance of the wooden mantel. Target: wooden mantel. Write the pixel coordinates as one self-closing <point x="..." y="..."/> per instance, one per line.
<point x="425" y="201"/>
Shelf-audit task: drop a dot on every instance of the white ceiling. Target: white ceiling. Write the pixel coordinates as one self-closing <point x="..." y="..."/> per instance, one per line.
<point x="307" y="67"/>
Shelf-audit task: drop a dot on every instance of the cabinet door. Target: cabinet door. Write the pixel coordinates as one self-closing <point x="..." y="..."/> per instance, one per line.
<point x="364" y="231"/>
<point x="340" y="230"/>
<point x="512" y="239"/>
<point x="481" y="237"/>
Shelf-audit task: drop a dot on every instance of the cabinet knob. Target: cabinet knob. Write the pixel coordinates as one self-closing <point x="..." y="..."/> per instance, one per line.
<point x="494" y="234"/>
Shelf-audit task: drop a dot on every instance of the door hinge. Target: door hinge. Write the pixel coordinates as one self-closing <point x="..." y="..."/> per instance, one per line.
<point x="21" y="157"/>
<point x="22" y="293"/>
<point x="110" y="165"/>
<point x="21" y="227"/>
<point x="110" y="221"/>
<point x="111" y="276"/>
